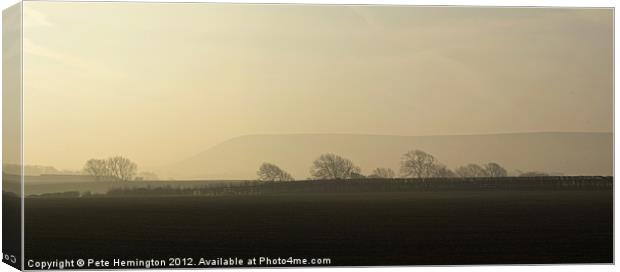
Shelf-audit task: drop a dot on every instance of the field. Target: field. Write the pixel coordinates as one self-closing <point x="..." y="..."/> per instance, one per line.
<point x="410" y="228"/>
<point x="11" y="229"/>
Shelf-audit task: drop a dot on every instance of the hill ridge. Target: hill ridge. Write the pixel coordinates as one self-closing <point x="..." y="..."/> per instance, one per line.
<point x="239" y="157"/>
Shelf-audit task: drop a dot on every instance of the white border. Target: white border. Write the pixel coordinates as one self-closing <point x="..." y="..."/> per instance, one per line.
<point x="506" y="3"/>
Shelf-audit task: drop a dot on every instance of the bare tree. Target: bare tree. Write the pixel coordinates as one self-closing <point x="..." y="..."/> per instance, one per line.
<point x="495" y="170"/>
<point x="331" y="166"/>
<point x="441" y="171"/>
<point x="418" y="164"/>
<point x="121" y="168"/>
<point x="271" y="172"/>
<point x="386" y="173"/>
<point x="114" y="168"/>
<point x="471" y="170"/>
<point x="98" y="169"/>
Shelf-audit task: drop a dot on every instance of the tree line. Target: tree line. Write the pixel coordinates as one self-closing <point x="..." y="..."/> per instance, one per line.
<point x="413" y="164"/>
<point x="115" y="168"/>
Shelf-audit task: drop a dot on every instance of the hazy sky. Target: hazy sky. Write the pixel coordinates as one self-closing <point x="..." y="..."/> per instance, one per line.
<point x="161" y="82"/>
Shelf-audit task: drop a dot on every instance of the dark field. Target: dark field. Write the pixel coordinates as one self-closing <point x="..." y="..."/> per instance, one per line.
<point x="11" y="229"/>
<point x="412" y="228"/>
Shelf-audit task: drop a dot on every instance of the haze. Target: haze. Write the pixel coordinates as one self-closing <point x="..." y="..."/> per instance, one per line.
<point x="161" y="82"/>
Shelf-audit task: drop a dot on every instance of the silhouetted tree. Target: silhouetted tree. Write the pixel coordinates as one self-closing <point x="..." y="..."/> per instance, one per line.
<point x="418" y="164"/>
<point x="331" y="166"/>
<point x="98" y="169"/>
<point x="114" y="168"/>
<point x="382" y="173"/>
<point x="441" y="171"/>
<point x="121" y="168"/>
<point x="495" y="170"/>
<point x="271" y="172"/>
<point x="471" y="170"/>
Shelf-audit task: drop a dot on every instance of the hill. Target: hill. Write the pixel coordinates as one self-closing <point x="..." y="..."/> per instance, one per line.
<point x="240" y="157"/>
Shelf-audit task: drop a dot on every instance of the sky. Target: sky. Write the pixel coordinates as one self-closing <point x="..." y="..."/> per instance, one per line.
<point x="161" y="82"/>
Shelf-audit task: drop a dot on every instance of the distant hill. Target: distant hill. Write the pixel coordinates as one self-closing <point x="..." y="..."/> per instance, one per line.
<point x="35" y="170"/>
<point x="240" y="157"/>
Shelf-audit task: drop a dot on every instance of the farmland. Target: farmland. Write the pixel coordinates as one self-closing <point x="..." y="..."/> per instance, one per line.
<point x="11" y="228"/>
<point x="416" y="227"/>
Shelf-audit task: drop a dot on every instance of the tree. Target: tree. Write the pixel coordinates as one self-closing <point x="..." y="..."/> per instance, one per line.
<point x="386" y="173"/>
<point x="97" y="168"/>
<point x="121" y="168"/>
<point x="271" y="172"/>
<point x="441" y="171"/>
<point x="418" y="164"/>
<point x="331" y="166"/>
<point x="114" y="168"/>
<point x="471" y="170"/>
<point x="495" y="170"/>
